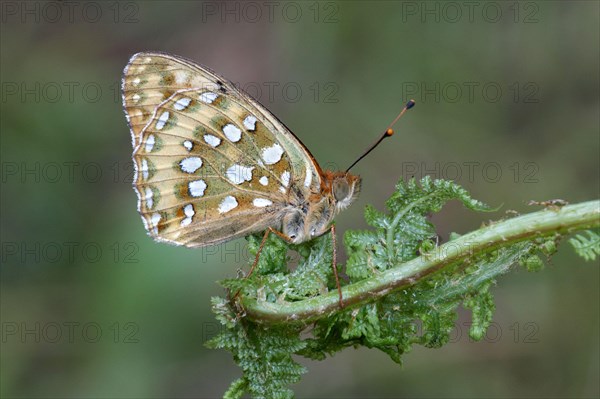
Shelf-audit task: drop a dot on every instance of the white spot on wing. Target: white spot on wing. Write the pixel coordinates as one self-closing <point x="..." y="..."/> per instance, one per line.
<point x="149" y="200"/>
<point x="136" y="81"/>
<point x="135" y="173"/>
<point x="182" y="103"/>
<point x="162" y="120"/>
<point x="308" y="178"/>
<point x="188" y="145"/>
<point x="186" y="222"/>
<point x="150" y="143"/>
<point x="272" y="154"/>
<point x="191" y="164"/>
<point x="197" y="188"/>
<point x="154" y="222"/>
<point x="139" y="202"/>
<point x="250" y="123"/>
<point x="145" y="223"/>
<point x="208" y="97"/>
<point x="189" y="212"/>
<point x="181" y="76"/>
<point x="261" y="202"/>
<point x="136" y="97"/>
<point x="227" y="204"/>
<point x="155" y="219"/>
<point x="237" y="174"/>
<point x="285" y="178"/>
<point x="232" y="133"/>
<point x="211" y="140"/>
<point x="144" y="169"/>
<point x="264" y="180"/>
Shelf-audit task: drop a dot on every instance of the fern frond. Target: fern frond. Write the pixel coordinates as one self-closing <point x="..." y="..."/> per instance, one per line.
<point x="586" y="247"/>
<point x="403" y="289"/>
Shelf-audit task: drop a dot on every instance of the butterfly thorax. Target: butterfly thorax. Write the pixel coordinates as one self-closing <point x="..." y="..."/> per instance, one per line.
<point x="314" y="212"/>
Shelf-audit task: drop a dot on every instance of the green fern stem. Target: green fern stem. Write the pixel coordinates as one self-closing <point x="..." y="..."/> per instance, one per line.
<point x="394" y="224"/>
<point x="550" y="221"/>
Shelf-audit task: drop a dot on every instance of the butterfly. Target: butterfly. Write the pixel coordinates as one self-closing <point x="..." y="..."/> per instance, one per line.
<point x="212" y="164"/>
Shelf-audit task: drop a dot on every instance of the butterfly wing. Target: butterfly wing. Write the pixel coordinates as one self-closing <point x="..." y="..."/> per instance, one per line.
<point x="211" y="163"/>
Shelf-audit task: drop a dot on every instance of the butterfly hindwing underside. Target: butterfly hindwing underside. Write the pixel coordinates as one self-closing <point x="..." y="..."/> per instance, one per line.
<point x="211" y="163"/>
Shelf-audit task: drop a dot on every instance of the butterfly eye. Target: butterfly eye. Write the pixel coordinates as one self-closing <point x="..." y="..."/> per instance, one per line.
<point x="340" y="189"/>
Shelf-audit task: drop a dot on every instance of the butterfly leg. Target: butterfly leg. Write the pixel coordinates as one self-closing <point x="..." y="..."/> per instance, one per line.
<point x="260" y="248"/>
<point x="262" y="244"/>
<point x="335" y="272"/>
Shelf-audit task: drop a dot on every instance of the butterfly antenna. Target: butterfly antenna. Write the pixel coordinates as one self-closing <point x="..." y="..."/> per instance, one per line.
<point x="388" y="132"/>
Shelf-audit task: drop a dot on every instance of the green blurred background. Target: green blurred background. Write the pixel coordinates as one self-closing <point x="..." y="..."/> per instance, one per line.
<point x="507" y="105"/>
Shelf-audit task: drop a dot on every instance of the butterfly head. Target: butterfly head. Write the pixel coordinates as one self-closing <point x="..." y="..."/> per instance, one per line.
<point x="345" y="188"/>
<point x="338" y="191"/>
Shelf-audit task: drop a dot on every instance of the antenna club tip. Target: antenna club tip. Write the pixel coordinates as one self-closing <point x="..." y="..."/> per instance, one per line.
<point x="410" y="104"/>
<point x="389" y="132"/>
